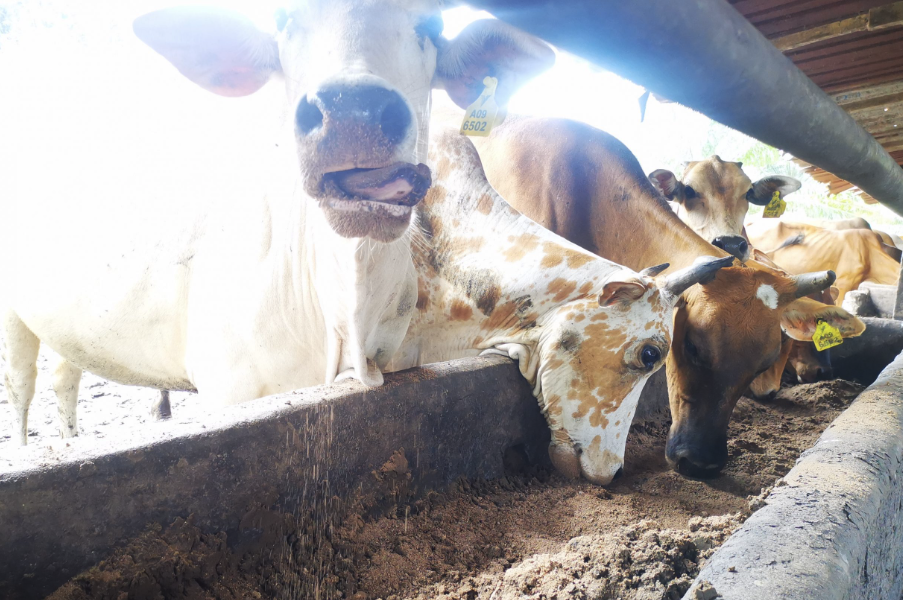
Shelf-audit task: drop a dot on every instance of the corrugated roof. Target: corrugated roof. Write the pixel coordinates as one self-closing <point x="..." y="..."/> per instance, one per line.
<point x="853" y="50"/>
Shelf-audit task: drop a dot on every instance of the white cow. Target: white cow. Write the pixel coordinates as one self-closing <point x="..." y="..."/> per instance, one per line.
<point x="242" y="295"/>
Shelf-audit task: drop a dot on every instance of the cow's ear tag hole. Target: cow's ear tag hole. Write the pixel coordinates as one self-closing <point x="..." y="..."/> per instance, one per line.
<point x="826" y="336"/>
<point x="775" y="207"/>
<point x="484" y="113"/>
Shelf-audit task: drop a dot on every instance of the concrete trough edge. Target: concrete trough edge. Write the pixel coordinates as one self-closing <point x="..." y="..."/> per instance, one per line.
<point x="430" y="425"/>
<point x="833" y="526"/>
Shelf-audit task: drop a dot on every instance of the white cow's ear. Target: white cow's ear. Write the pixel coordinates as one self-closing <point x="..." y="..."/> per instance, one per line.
<point x="490" y="48"/>
<point x="221" y="51"/>
<point x="621" y="292"/>
<point x="801" y="317"/>
<point x="665" y="182"/>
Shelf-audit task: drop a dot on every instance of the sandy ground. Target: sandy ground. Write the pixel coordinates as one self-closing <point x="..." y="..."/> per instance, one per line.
<point x="103" y="408"/>
<point x="530" y="535"/>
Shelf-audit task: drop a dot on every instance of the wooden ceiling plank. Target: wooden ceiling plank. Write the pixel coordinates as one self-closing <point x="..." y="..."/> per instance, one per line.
<point x="881" y="17"/>
<point x="859" y="94"/>
<point x="822" y="33"/>
<point x="871" y="97"/>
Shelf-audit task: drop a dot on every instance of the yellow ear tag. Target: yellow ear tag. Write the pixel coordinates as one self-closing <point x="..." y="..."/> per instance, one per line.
<point x="482" y="115"/>
<point x="776" y="207"/>
<point x="826" y="336"/>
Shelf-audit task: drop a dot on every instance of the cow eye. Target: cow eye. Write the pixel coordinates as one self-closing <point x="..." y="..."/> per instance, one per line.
<point x="691" y="351"/>
<point x="650" y="356"/>
<point x="689" y="192"/>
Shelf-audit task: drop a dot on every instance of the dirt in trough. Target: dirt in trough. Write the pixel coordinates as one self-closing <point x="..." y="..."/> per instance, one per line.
<point x="529" y="535"/>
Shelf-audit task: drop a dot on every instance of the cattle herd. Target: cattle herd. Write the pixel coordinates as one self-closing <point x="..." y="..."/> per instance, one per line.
<point x="388" y="240"/>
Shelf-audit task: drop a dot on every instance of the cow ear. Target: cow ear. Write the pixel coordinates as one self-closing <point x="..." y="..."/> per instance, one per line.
<point x="221" y="51"/>
<point x="665" y="182"/>
<point x="801" y="317"/>
<point x="490" y="48"/>
<point x="762" y="191"/>
<point x="621" y="292"/>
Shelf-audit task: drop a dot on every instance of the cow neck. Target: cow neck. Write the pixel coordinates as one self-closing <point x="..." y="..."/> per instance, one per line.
<point x="658" y="236"/>
<point x="363" y="291"/>
<point x="487" y="275"/>
<point x="588" y="187"/>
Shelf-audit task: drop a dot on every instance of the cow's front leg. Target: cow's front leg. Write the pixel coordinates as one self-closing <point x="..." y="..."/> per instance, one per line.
<point x="21" y="370"/>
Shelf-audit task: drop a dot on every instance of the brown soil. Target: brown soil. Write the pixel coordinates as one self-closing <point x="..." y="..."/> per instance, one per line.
<point x="529" y="535"/>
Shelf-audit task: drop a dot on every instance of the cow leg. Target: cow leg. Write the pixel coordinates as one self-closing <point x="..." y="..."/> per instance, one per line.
<point x="66" y="378"/>
<point x="21" y="370"/>
<point x="161" y="409"/>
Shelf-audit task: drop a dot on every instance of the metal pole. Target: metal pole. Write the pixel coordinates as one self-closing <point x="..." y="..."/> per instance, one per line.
<point x="707" y="56"/>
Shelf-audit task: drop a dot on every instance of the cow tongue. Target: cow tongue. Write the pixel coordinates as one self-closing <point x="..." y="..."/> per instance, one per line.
<point x="398" y="183"/>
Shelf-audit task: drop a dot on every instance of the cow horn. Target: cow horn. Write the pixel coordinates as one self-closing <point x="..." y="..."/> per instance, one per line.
<point x="810" y="283"/>
<point x="653" y="271"/>
<point x="702" y="271"/>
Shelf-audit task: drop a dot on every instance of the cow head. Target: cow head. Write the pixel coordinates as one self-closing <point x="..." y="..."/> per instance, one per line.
<point x="714" y="196"/>
<point x="727" y="332"/>
<point x="595" y="355"/>
<point x="358" y="75"/>
<point x="799" y="358"/>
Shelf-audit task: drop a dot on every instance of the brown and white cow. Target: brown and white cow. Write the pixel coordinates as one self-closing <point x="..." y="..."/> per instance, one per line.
<point x="713" y="196"/>
<point x="586" y="332"/>
<point x="856" y="255"/>
<point x="154" y="274"/>
<point x="587" y="186"/>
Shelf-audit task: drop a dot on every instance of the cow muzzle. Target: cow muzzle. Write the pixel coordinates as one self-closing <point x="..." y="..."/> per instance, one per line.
<point x="350" y="136"/>
<point x="734" y="245"/>
<point x="600" y="467"/>
<point x="698" y="458"/>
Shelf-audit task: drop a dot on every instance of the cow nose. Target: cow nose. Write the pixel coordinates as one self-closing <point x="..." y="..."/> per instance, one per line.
<point x="734" y="245"/>
<point x="698" y="463"/>
<point x="370" y="106"/>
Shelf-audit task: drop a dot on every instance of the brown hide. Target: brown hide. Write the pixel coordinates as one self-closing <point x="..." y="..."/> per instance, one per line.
<point x="587" y="186"/>
<point x="855" y="255"/>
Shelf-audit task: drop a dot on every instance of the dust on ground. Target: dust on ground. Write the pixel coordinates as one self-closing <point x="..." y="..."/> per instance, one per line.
<point x="529" y="535"/>
<point x="104" y="408"/>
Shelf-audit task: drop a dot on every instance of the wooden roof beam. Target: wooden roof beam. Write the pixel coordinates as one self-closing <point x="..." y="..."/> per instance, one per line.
<point x="870" y="97"/>
<point x="881" y="17"/>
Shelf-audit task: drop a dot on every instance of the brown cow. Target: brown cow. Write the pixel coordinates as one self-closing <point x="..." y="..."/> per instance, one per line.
<point x="855" y="255"/>
<point x="713" y="196"/>
<point x="588" y="187"/>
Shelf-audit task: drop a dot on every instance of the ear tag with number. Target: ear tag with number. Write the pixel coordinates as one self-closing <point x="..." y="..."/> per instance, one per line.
<point x="482" y="115"/>
<point x="776" y="207"/>
<point x="826" y="336"/>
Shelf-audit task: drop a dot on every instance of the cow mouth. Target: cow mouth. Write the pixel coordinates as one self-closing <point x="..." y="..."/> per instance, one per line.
<point x="393" y="189"/>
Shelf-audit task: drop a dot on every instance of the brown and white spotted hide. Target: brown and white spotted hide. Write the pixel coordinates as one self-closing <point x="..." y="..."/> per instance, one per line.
<point x="586" y="332"/>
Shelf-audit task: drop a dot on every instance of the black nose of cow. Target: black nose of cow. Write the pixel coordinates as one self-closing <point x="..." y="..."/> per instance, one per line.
<point x="370" y="107"/>
<point x="734" y="245"/>
<point x="825" y="373"/>
<point x="697" y="461"/>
